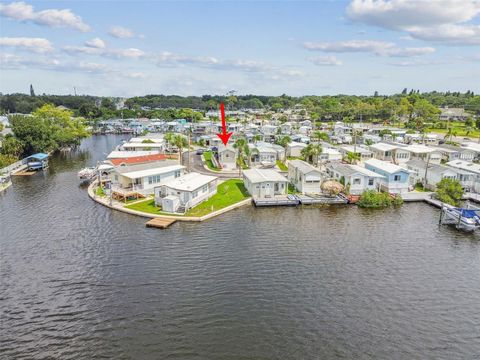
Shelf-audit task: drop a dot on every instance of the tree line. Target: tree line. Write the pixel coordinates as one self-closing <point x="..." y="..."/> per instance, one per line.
<point x="167" y="107"/>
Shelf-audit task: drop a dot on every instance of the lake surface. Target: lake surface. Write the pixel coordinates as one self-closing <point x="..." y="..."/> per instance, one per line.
<point x="80" y="281"/>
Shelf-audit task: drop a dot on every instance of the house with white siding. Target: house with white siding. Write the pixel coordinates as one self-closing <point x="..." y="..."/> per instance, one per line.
<point x="306" y="178"/>
<point x="356" y="178"/>
<point x="264" y="183"/>
<point x="185" y="192"/>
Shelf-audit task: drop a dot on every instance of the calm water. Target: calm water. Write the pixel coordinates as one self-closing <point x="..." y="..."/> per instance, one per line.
<point x="79" y="281"/>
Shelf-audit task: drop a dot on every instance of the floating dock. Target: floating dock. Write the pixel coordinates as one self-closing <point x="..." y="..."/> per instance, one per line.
<point x="160" y="223"/>
<point x="294" y="200"/>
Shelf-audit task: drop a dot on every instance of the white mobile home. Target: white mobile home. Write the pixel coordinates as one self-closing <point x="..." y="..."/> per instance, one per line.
<point x="304" y="177"/>
<point x="357" y="178"/>
<point x="185" y="192"/>
<point x="264" y="183"/>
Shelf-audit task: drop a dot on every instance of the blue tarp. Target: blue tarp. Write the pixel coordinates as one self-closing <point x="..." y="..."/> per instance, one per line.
<point x="470" y="214"/>
<point x="39" y="156"/>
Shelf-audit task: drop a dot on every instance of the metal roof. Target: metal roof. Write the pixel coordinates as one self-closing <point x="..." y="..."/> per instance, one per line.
<point x="263" y="175"/>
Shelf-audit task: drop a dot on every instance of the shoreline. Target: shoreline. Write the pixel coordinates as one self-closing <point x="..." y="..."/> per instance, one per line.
<point x="106" y="202"/>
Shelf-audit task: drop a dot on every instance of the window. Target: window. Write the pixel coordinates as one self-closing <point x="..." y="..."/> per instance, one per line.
<point x="370" y="182"/>
<point x="357" y="181"/>
<point x="397" y="178"/>
<point x="204" y="188"/>
<point x="177" y="173"/>
<point x="194" y="194"/>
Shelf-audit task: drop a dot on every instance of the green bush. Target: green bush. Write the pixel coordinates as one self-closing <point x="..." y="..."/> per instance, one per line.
<point x="449" y="191"/>
<point x="375" y="199"/>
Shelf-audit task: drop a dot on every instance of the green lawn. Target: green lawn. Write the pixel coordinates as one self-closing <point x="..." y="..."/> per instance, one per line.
<point x="99" y="191"/>
<point x="147" y="206"/>
<point x="228" y="193"/>
<point x="282" y="166"/>
<point x="208" y="160"/>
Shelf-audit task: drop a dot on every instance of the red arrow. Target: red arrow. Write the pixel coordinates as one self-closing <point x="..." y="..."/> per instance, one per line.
<point x="224" y="136"/>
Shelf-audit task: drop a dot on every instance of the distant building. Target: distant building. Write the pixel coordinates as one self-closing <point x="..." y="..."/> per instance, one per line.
<point x="453" y="114"/>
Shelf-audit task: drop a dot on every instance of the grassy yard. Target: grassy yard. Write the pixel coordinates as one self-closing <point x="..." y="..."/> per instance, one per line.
<point x="208" y="160"/>
<point x="147" y="206"/>
<point x="282" y="166"/>
<point x="99" y="191"/>
<point x="228" y="193"/>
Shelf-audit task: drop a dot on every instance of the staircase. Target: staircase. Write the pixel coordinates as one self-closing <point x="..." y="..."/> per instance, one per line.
<point x="181" y="209"/>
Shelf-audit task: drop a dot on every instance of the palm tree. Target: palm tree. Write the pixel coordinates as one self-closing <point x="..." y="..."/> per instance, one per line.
<point x="353" y="157"/>
<point x="311" y="152"/>
<point x="284" y="141"/>
<point x="169" y="139"/>
<point x="240" y="145"/>
<point x="180" y="142"/>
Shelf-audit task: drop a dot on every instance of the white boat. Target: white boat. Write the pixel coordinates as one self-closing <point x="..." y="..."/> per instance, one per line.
<point x="87" y="173"/>
<point x="464" y="219"/>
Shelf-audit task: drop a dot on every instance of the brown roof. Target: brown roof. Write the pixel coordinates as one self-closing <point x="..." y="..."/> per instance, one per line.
<point x="141" y="159"/>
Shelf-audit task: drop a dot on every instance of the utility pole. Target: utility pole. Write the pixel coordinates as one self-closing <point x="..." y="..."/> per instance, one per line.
<point x="75" y="91"/>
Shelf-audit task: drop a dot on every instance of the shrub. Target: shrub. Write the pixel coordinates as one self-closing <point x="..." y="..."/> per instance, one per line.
<point x="375" y="199"/>
<point x="449" y="191"/>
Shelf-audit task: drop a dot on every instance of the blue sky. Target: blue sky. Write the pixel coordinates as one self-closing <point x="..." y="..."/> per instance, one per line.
<point x="127" y="48"/>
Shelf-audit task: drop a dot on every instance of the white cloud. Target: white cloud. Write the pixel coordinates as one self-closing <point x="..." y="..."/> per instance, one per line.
<point x="12" y="61"/>
<point x="51" y="17"/>
<point x="121" y="32"/>
<point x="130" y="53"/>
<point x="170" y="59"/>
<point x="37" y="45"/>
<point x="437" y="20"/>
<point x="324" y="61"/>
<point x="350" y="46"/>
<point x="136" y="75"/>
<point x="409" y="52"/>
<point x="92" y="67"/>
<point x="96" y="43"/>
<point x="380" y="48"/>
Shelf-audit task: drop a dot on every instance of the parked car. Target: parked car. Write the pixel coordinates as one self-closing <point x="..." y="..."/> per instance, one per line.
<point x="200" y="151"/>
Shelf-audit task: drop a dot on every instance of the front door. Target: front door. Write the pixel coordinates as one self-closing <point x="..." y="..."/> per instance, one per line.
<point x="268" y="190"/>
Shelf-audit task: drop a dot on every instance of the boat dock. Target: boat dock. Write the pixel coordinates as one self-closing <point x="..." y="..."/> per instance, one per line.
<point x="278" y="200"/>
<point x="160" y="223"/>
<point x="294" y="200"/>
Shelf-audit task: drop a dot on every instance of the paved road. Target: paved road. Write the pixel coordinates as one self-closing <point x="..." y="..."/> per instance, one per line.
<point x="196" y="165"/>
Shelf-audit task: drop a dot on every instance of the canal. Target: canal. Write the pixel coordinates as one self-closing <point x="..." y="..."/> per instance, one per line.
<point x="80" y="281"/>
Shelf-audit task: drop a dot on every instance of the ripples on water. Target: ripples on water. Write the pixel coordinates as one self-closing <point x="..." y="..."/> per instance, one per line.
<point x="79" y="281"/>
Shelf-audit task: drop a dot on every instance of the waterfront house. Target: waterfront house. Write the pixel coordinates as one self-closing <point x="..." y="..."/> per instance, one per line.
<point x="304" y="177"/>
<point x="37" y="161"/>
<point x="264" y="183"/>
<point x="142" y="159"/>
<point x="117" y="154"/>
<point x="143" y="178"/>
<point x="395" y="179"/>
<point x="356" y="178"/>
<point x="227" y="157"/>
<point x="145" y="145"/>
<point x="294" y="149"/>
<point x="435" y="173"/>
<point x="185" y="192"/>
<point x="467" y="168"/>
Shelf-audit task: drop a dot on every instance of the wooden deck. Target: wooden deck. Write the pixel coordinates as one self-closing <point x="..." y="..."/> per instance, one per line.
<point x="24" y="173"/>
<point x="160" y="223"/>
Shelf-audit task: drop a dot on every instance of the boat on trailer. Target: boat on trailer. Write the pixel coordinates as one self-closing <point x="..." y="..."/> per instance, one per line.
<point x="466" y="219"/>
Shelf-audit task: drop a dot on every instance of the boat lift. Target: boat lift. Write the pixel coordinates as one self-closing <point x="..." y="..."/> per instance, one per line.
<point x="466" y="219"/>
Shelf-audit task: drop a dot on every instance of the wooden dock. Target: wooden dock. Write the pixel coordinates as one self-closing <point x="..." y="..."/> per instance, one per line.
<point x="160" y="223"/>
<point x="24" y="173"/>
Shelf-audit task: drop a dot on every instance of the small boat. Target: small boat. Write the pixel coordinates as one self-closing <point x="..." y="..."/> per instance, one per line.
<point x="87" y="174"/>
<point x="463" y="219"/>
